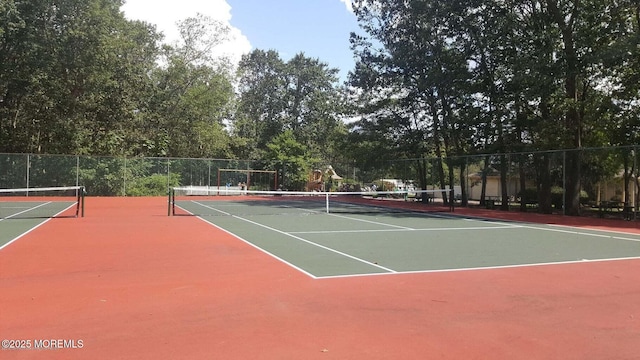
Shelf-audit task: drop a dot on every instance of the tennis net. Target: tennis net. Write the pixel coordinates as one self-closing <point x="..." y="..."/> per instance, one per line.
<point x="50" y="202"/>
<point x="214" y="201"/>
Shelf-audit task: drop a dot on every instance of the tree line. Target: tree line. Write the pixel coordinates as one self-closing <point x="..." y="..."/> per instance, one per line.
<point x="434" y="79"/>
<point x="500" y="76"/>
<point x="77" y="77"/>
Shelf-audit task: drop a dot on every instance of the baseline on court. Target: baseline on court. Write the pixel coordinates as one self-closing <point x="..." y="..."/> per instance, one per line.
<point x="332" y="245"/>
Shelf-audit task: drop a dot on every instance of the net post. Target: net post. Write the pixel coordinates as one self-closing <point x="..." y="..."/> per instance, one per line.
<point x="82" y="193"/>
<point x="326" y="195"/>
<point x="169" y="201"/>
<point x="78" y="200"/>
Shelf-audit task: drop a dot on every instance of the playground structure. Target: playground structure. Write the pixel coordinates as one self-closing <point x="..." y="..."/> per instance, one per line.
<point x="318" y="179"/>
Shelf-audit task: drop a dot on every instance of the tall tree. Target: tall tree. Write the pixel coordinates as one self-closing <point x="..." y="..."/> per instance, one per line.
<point x="262" y="103"/>
<point x="532" y="72"/>
<point x="192" y="94"/>
<point x="299" y="95"/>
<point x="70" y="73"/>
<point x="412" y="80"/>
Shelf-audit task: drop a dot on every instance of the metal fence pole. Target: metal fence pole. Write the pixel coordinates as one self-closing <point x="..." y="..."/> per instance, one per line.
<point x="124" y="178"/>
<point x="635" y="180"/>
<point x="27" y="171"/>
<point x="168" y="175"/>
<point x="564" y="182"/>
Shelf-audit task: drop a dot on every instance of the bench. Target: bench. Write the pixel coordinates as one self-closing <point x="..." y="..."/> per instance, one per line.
<point x="608" y="207"/>
<point x="490" y="202"/>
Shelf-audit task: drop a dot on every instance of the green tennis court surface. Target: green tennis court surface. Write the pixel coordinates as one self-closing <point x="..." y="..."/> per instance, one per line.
<point x="16" y="218"/>
<point x="374" y="241"/>
<point x="24" y="209"/>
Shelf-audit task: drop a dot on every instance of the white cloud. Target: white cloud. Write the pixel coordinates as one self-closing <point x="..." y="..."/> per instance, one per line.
<point x="166" y="13"/>
<point x="348" y="4"/>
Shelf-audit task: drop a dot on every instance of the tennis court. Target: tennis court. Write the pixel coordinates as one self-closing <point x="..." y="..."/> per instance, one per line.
<point x="281" y="278"/>
<point x="24" y="209"/>
<point x="367" y="238"/>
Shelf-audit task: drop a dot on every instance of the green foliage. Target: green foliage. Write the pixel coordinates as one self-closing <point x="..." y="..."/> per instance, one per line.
<point x="192" y="95"/>
<point x="77" y="77"/>
<point x="289" y="156"/>
<point x="530" y="196"/>
<point x="277" y="96"/>
<point x="432" y="79"/>
<point x="102" y="176"/>
<point x="458" y="77"/>
<point x="153" y="185"/>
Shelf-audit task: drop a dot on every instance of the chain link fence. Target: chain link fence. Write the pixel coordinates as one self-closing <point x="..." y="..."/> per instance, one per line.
<point x="609" y="178"/>
<point x="111" y="176"/>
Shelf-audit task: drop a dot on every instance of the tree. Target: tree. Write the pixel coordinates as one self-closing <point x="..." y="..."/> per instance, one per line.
<point x="412" y="81"/>
<point x="521" y="74"/>
<point x="262" y="102"/>
<point x="298" y="96"/>
<point x="70" y="75"/>
<point x="291" y="158"/>
<point x="192" y="95"/>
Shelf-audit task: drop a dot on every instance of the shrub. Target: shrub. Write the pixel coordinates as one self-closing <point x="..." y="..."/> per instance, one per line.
<point x="528" y="195"/>
<point x="153" y="185"/>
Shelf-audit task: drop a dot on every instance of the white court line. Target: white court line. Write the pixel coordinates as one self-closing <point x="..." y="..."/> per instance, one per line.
<point x="35" y="227"/>
<point x="258" y="248"/>
<point x="575" y="232"/>
<point x="22" y="212"/>
<point x="321" y="213"/>
<point x="553" y="228"/>
<point x="23" y="234"/>
<point x="371" y="222"/>
<point x="594" y="229"/>
<point x="244" y="240"/>
<point x="207" y="206"/>
<point x="496" y="267"/>
<point x="507" y="226"/>
<point x="305" y="240"/>
<point x="407" y="229"/>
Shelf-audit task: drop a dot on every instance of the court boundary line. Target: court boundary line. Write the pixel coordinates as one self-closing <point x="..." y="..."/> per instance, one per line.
<point x="405" y="230"/>
<point x="29" y="209"/>
<point x="585" y="233"/>
<point x="587" y="228"/>
<point x="264" y="251"/>
<point x="313" y="212"/>
<point x="371" y="222"/>
<point x="577" y="230"/>
<point x="24" y="234"/>
<point x="505" y="223"/>
<point x="35" y="227"/>
<point x="305" y="240"/>
<point x="480" y="268"/>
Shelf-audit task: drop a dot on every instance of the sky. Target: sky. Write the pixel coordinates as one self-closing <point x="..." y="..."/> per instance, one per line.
<point x="318" y="28"/>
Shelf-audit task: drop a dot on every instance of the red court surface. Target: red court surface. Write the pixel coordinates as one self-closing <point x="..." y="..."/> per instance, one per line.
<point x="129" y="282"/>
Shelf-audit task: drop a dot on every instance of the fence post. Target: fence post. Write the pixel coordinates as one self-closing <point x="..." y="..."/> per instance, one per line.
<point x="27" y="173"/>
<point x="635" y="193"/>
<point x="124" y="177"/>
<point x="168" y="174"/>
<point x="564" y="182"/>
